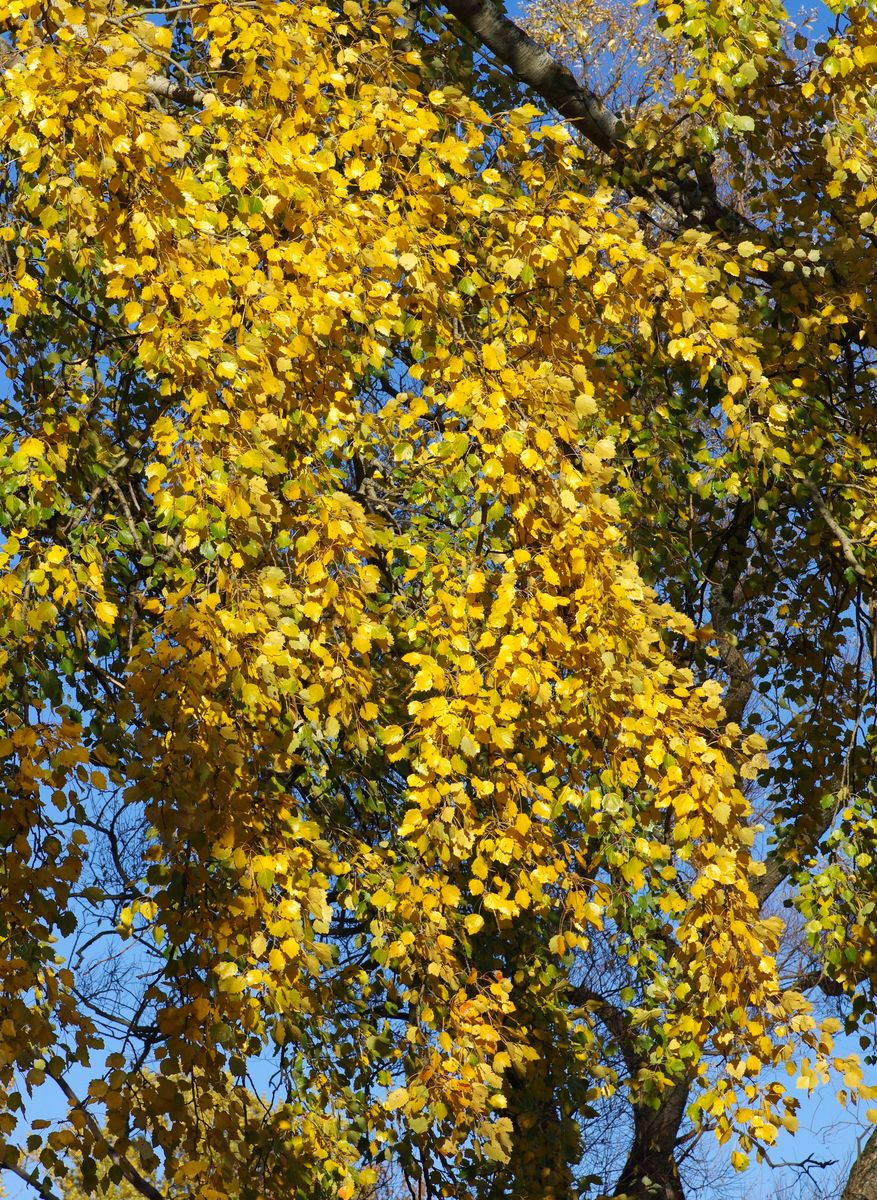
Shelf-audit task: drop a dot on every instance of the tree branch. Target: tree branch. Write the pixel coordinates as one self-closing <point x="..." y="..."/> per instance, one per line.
<point x="862" y="1183"/>
<point x="137" y="1181"/>
<point x="692" y="199"/>
<point x="39" y="1185"/>
<point x="810" y="825"/>
<point x="615" y="1020"/>
<point x="651" y="1171"/>
<point x="166" y="89"/>
<point x="818" y="979"/>
<point x="832" y="523"/>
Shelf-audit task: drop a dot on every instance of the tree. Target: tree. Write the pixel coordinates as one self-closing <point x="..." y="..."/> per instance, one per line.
<point x="435" y="541"/>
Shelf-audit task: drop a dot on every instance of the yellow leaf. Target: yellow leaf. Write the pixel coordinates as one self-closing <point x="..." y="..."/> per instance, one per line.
<point x="370" y="180"/>
<point x="494" y="356"/>
<point x="396" y="1098"/>
<point x="106" y="612"/>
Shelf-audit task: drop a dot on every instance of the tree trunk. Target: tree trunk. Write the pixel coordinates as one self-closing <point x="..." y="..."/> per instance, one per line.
<point x="650" y="1172"/>
<point x="862" y="1183"/>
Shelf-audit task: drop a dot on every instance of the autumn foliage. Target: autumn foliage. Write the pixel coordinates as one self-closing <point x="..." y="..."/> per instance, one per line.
<point x="368" y="791"/>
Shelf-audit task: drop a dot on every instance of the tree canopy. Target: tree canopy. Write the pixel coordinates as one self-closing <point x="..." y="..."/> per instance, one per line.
<point x="437" y="620"/>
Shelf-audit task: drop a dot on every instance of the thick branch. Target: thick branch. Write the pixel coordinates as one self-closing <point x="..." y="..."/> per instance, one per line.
<point x="737" y="668"/>
<point x="615" y="1020"/>
<point x="777" y="870"/>
<point x="536" y="68"/>
<point x="692" y="199"/>
<point x="166" y="89"/>
<point x="650" y="1172"/>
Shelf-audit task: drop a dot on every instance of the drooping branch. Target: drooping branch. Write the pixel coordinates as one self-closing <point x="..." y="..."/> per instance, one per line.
<point x="811" y="825"/>
<point x="32" y="1180"/>
<point x="129" y="1171"/>
<point x="727" y="572"/>
<point x="835" y="527"/>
